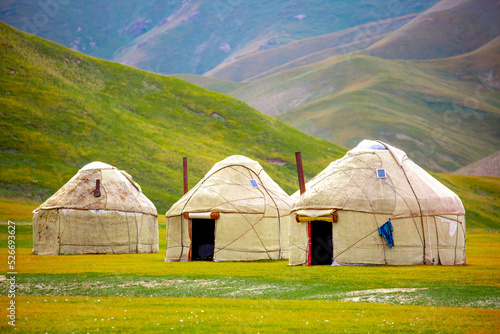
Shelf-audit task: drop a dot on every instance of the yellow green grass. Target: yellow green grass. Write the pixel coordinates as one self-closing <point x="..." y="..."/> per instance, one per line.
<point x="16" y="210"/>
<point x="141" y="292"/>
<point x="209" y="315"/>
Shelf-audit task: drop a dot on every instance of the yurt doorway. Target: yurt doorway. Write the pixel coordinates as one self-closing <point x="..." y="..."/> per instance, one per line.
<point x="203" y="239"/>
<point x="321" y="243"/>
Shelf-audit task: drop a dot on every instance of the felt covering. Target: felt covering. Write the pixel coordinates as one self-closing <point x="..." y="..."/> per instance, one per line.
<point x="74" y="221"/>
<point x="253" y="215"/>
<point x="407" y="195"/>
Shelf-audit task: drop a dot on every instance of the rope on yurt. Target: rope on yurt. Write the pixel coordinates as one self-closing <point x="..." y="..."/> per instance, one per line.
<point x="396" y="192"/>
<point x="246" y="219"/>
<point x="136" y="209"/>
<point x="194" y="190"/>
<point x="456" y="243"/>
<point x="128" y="233"/>
<point x="371" y="207"/>
<point x="364" y="193"/>
<point x="93" y="205"/>
<point x="77" y="190"/>
<point x="251" y="228"/>
<point x="354" y="244"/>
<point x="277" y="210"/>
<point x="59" y="232"/>
<point x="419" y="208"/>
<point x="463" y="233"/>
<point x="429" y="229"/>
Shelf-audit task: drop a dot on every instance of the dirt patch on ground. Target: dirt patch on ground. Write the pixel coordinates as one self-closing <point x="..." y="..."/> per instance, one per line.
<point x="379" y="291"/>
<point x="276" y="161"/>
<point x="151" y="284"/>
<point x="393" y="296"/>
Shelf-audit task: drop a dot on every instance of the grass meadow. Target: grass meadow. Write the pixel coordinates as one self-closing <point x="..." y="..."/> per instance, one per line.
<point x="142" y="293"/>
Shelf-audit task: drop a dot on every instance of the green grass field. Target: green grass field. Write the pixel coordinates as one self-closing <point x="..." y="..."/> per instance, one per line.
<point x="142" y="293"/>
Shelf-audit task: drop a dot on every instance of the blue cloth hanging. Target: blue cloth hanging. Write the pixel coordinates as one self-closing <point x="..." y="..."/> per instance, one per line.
<point x="386" y="231"/>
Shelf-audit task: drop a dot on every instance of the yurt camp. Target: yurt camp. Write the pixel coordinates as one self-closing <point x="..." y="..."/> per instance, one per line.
<point x="100" y="210"/>
<point x="376" y="206"/>
<point x="235" y="213"/>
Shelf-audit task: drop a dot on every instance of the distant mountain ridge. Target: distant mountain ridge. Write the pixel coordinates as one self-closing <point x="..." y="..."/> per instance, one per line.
<point x="191" y="36"/>
<point x="260" y="64"/>
<point x="444" y="112"/>
<point x="449" y="28"/>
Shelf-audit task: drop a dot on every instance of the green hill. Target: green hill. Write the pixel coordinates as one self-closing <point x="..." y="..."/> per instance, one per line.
<point x="445" y="113"/>
<point x="480" y="196"/>
<point x="443" y="123"/>
<point x="61" y="109"/>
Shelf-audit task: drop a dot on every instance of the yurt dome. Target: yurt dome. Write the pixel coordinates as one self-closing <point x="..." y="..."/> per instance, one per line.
<point x="376" y="206"/>
<point x="100" y="210"/>
<point x="235" y="213"/>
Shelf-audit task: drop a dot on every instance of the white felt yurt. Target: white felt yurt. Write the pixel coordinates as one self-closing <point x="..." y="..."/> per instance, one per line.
<point x="376" y="206"/>
<point x="100" y="210"/>
<point x="235" y="213"/>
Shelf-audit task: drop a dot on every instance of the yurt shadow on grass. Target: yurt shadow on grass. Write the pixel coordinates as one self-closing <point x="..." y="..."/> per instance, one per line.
<point x="235" y="213"/>
<point x="100" y="210"/>
<point x="376" y="206"/>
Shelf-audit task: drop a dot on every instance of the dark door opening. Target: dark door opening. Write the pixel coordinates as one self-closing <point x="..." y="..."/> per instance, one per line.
<point x="321" y="243"/>
<point x="203" y="240"/>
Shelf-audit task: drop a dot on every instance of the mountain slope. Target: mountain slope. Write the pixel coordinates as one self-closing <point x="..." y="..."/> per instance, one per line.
<point x="261" y="63"/>
<point x="61" y="109"/>
<point x="489" y="166"/>
<point x="444" y="113"/>
<point x="441" y="122"/>
<point x="191" y="36"/>
<point x="449" y="28"/>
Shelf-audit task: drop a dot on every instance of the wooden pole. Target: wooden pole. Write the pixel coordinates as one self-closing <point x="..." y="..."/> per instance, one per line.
<point x="185" y="173"/>
<point x="302" y="187"/>
<point x="300" y="172"/>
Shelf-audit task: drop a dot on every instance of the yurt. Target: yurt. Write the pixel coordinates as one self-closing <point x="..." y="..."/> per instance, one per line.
<point x="235" y="213"/>
<point x="376" y="206"/>
<point x="100" y="210"/>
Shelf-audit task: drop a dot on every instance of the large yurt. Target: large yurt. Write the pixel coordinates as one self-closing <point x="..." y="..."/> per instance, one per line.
<point x="376" y="206"/>
<point x="100" y="210"/>
<point x="235" y="213"/>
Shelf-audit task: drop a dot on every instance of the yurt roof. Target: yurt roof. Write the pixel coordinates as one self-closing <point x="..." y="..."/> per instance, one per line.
<point x="352" y="183"/>
<point x="236" y="184"/>
<point x="118" y="192"/>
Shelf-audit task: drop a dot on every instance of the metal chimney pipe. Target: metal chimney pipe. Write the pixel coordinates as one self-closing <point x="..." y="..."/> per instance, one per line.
<point x="97" y="190"/>
<point x="185" y="173"/>
<point x="302" y="187"/>
<point x="300" y="172"/>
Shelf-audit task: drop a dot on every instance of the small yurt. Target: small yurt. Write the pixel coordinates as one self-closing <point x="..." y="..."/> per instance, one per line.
<point x="376" y="206"/>
<point x="100" y="210"/>
<point x="235" y="213"/>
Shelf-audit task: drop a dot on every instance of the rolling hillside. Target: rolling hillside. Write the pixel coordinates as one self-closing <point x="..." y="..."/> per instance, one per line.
<point x="489" y="166"/>
<point x="444" y="113"/>
<point x="305" y="51"/>
<point x="61" y="109"/>
<point x="191" y="36"/>
<point x="449" y="28"/>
